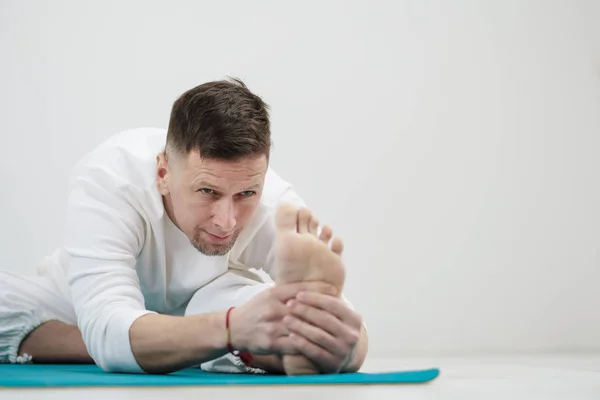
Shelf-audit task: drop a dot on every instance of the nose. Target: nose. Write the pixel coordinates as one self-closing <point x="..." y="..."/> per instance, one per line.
<point x="224" y="215"/>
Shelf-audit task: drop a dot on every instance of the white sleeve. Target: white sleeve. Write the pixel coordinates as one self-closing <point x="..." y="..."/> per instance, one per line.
<point x="104" y="234"/>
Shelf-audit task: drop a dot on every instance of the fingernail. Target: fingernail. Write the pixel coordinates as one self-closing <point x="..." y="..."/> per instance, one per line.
<point x="301" y="296"/>
<point x="287" y="320"/>
<point x="291" y="303"/>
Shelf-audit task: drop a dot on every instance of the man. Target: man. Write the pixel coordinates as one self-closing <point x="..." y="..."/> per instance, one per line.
<point x="164" y="232"/>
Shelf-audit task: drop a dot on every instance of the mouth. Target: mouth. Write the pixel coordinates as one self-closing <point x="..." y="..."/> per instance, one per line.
<point x="218" y="239"/>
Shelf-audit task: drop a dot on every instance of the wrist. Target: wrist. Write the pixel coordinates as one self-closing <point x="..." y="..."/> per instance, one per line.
<point x="220" y="338"/>
<point x="238" y="350"/>
<point x="215" y="341"/>
<point x="234" y="339"/>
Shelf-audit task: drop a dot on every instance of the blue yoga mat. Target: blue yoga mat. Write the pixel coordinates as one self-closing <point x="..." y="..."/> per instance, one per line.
<point x="35" y="375"/>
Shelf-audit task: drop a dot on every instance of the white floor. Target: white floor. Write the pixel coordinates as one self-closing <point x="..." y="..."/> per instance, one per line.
<point x="518" y="377"/>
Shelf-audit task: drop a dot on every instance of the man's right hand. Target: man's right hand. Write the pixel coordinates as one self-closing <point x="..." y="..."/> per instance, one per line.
<point x="257" y="326"/>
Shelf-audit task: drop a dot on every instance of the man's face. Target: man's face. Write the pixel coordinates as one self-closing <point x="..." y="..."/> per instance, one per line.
<point x="211" y="200"/>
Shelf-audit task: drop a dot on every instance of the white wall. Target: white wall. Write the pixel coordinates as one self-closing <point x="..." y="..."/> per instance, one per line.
<point x="453" y="145"/>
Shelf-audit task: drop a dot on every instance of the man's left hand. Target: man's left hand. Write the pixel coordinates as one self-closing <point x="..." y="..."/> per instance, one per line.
<point x="324" y="329"/>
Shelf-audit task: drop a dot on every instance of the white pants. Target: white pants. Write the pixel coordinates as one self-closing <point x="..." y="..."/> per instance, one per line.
<point x="28" y="301"/>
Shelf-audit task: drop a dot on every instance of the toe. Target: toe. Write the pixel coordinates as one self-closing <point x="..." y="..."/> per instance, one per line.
<point x="286" y="217"/>
<point x="304" y="216"/>
<point x="313" y="225"/>
<point x="326" y="234"/>
<point x="337" y="246"/>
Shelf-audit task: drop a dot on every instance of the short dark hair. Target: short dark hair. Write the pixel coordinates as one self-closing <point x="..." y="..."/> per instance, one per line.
<point x="220" y="119"/>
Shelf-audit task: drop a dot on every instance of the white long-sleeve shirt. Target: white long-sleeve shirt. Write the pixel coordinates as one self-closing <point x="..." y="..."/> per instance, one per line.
<point x="125" y="258"/>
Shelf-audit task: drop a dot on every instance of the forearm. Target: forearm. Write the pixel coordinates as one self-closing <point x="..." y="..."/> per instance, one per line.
<point x="360" y="353"/>
<point x="163" y="344"/>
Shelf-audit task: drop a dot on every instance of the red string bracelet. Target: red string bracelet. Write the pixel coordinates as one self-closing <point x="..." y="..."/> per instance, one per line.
<point x="243" y="355"/>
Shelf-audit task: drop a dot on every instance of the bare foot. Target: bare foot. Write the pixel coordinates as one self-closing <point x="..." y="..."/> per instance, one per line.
<point x="301" y="255"/>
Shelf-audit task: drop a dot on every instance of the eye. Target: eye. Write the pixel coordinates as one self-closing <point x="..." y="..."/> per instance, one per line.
<point x="248" y="193"/>
<point x="206" y="191"/>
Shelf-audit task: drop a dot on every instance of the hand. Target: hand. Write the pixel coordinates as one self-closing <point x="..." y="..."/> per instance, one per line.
<point x="257" y="326"/>
<point x="324" y="329"/>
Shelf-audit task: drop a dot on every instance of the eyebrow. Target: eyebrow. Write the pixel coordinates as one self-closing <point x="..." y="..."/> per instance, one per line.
<point x="211" y="186"/>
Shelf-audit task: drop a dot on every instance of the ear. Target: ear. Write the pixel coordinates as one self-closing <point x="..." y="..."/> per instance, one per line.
<point x="162" y="174"/>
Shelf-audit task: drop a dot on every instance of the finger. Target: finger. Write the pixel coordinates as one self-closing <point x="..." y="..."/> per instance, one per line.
<point x="328" y="362"/>
<point x="333" y="305"/>
<point x="289" y="291"/>
<point x="326" y="234"/>
<point x="316" y="335"/>
<point x="304" y="215"/>
<point x="316" y="317"/>
<point x="325" y="321"/>
<point x="285" y="345"/>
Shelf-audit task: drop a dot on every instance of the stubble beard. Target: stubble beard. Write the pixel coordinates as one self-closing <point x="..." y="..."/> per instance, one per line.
<point x="213" y="250"/>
